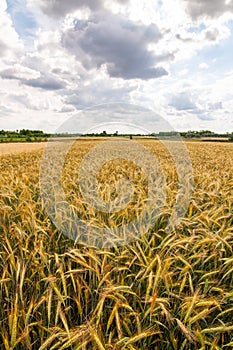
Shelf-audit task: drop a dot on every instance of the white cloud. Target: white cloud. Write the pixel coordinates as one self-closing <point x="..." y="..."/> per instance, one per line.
<point x="10" y="44"/>
<point x="203" y="65"/>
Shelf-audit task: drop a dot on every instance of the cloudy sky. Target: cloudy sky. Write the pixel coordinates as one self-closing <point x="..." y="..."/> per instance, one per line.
<point x="172" y="56"/>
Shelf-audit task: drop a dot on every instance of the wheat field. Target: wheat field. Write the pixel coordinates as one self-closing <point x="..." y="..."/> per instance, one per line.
<point x="19" y="147"/>
<point x="165" y="290"/>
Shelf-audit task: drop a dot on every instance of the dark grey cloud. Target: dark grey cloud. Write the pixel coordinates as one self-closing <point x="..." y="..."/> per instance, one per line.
<point x="117" y="43"/>
<point x="208" y="8"/>
<point x="212" y="35"/>
<point x="60" y="8"/>
<point x="45" y="82"/>
<point x="187" y="39"/>
<point x="8" y="74"/>
<point x="183" y="102"/>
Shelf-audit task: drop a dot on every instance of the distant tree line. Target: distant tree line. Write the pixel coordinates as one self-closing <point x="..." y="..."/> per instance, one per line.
<point x="186" y="134"/>
<point x="23" y="135"/>
<point x="195" y="134"/>
<point x="34" y="135"/>
<point x="202" y="133"/>
<point x="207" y="134"/>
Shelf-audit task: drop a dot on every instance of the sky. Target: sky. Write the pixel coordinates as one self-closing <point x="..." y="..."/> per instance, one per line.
<point x="173" y="57"/>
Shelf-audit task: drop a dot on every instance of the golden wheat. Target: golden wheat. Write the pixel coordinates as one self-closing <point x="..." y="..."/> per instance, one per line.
<point x="166" y="290"/>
